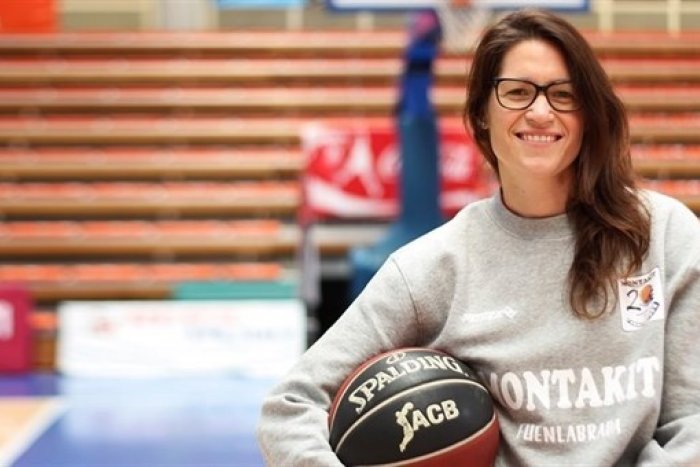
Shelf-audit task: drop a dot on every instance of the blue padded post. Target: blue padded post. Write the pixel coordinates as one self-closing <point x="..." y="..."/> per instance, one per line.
<point x="419" y="184"/>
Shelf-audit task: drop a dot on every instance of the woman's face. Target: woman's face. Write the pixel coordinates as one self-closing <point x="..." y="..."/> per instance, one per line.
<point x="537" y="144"/>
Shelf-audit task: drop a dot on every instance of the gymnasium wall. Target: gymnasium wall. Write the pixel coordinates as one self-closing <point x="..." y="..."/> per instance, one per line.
<point x="674" y="15"/>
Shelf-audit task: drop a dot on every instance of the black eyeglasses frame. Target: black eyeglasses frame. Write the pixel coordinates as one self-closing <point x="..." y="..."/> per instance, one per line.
<point x="538" y="90"/>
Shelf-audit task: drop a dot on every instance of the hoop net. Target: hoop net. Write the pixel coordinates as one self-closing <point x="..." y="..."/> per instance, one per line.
<point x="462" y="22"/>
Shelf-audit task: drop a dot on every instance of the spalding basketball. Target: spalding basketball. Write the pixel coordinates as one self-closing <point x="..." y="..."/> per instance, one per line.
<point x="414" y="407"/>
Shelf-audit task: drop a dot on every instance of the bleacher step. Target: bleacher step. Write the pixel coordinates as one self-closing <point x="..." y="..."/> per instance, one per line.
<point x="341" y="101"/>
<point x="681" y="128"/>
<point x="307" y="72"/>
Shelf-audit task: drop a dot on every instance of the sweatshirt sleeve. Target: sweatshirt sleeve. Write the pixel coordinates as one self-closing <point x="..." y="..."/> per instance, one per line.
<point x="677" y="437"/>
<point x="293" y="427"/>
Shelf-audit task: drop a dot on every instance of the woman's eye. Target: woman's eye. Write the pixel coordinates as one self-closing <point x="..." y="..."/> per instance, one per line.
<point x="518" y="92"/>
<point x="563" y="95"/>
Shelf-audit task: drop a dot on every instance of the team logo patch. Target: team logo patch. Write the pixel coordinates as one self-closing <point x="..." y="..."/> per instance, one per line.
<point x="641" y="300"/>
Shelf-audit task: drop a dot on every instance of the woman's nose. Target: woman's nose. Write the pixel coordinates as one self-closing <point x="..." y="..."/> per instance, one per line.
<point x="540" y="109"/>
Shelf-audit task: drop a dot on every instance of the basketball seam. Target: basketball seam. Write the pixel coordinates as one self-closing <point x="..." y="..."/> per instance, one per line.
<point x="354" y="425"/>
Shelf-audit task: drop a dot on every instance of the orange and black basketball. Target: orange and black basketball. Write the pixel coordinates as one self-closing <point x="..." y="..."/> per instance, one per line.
<point x="414" y="407"/>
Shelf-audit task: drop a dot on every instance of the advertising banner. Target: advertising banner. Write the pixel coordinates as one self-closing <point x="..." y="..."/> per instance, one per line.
<point x="354" y="173"/>
<point x="254" y="338"/>
<point x="15" y="329"/>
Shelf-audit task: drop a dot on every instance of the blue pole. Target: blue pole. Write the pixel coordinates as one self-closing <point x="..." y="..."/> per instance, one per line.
<point x="419" y="184"/>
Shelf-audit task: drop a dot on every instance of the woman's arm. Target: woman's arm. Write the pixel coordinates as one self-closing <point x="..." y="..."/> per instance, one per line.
<point x="677" y="437"/>
<point x="293" y="428"/>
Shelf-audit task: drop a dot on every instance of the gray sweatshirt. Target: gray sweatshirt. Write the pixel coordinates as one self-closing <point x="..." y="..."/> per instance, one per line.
<point x="490" y="288"/>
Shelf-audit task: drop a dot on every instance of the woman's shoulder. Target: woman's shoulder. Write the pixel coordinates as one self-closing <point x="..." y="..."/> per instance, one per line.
<point x="446" y="246"/>
<point x="666" y="209"/>
<point x="675" y="230"/>
<point x="452" y="232"/>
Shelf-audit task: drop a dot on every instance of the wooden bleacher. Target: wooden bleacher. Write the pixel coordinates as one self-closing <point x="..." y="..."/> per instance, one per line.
<point x="132" y="162"/>
<point x="337" y="100"/>
<point x="314" y="43"/>
<point x="158" y="163"/>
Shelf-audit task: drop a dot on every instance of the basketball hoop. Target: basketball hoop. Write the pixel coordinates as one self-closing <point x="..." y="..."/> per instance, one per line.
<point x="462" y="22"/>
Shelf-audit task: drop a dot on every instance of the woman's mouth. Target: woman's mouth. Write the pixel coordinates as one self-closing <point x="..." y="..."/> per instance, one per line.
<point x="538" y="137"/>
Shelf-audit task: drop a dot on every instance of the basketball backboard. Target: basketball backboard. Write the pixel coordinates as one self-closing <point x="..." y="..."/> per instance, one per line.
<point x="399" y="5"/>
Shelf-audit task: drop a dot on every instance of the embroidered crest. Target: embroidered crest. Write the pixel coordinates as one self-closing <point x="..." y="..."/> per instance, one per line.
<point x="641" y="300"/>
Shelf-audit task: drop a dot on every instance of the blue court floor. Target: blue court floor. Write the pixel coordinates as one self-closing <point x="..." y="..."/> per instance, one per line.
<point x="194" y="421"/>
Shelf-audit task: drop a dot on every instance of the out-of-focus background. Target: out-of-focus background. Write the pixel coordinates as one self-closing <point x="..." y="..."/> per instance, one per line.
<point x="192" y="191"/>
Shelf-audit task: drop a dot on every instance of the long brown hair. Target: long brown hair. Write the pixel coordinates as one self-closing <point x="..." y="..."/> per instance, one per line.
<point x="612" y="225"/>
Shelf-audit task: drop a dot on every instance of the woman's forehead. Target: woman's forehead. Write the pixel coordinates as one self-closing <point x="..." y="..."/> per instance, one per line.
<point x="536" y="60"/>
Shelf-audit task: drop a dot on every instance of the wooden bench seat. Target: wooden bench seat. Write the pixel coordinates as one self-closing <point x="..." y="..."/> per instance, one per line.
<point x="187" y="200"/>
<point x="667" y="161"/>
<point x="90" y="130"/>
<point x="164" y="239"/>
<point x="143" y="199"/>
<point x="259" y="239"/>
<point x="340" y="101"/>
<point x="241" y="43"/>
<point x="114" y="163"/>
<point x="139" y="229"/>
<point x="644" y="43"/>
<point x="646" y="71"/>
<point x="687" y="191"/>
<point x="99" y="130"/>
<point x="51" y="283"/>
<point x="142" y="163"/>
<point x="32" y="241"/>
<point x="299" y="72"/>
<point x="678" y="98"/>
<point x="300" y="43"/>
<point x="678" y="128"/>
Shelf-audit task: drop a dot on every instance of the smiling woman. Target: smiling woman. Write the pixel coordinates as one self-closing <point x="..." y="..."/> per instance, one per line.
<point x="571" y="293"/>
<point x="534" y="141"/>
<point x="545" y="162"/>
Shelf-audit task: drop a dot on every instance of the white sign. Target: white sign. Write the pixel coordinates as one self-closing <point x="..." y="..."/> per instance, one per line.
<point x="258" y="338"/>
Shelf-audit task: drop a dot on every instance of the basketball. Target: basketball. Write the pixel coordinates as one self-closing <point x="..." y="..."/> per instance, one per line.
<point x="413" y="407"/>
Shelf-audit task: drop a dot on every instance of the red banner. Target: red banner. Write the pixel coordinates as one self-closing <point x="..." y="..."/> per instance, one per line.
<point x="353" y="172"/>
<point x="15" y="329"/>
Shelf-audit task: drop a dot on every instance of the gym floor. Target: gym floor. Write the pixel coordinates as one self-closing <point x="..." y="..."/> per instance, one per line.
<point x="49" y="420"/>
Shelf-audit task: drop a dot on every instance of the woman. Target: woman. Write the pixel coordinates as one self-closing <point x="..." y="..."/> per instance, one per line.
<point x="574" y="295"/>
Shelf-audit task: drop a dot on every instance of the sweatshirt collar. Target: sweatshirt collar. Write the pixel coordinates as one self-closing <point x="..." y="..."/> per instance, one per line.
<point x="552" y="228"/>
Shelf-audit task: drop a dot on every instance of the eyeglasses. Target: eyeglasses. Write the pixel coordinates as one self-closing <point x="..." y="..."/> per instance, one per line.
<point x="519" y="94"/>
